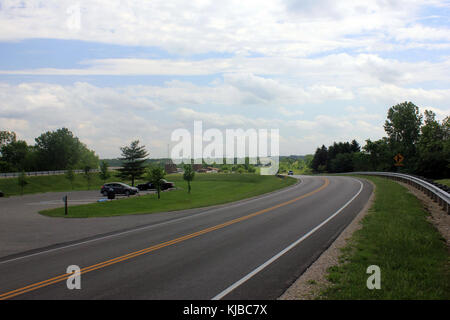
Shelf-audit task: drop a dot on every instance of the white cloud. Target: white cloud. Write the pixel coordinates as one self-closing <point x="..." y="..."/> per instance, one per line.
<point x="274" y="28"/>
<point x="391" y="95"/>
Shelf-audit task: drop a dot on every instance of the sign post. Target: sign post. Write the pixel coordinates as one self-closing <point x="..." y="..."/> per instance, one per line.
<point x="64" y="199"/>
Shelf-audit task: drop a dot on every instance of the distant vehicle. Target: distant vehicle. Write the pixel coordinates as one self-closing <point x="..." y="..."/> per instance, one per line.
<point x="291" y="173"/>
<point x="149" y="186"/>
<point x="1" y="194"/>
<point x="119" y="188"/>
<point x="167" y="185"/>
<point x="145" y="186"/>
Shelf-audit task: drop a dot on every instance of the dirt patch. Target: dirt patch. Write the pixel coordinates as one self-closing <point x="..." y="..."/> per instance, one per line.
<point x="309" y="285"/>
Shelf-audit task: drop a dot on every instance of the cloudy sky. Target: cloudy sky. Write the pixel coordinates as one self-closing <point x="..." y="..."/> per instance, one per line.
<point x="319" y="70"/>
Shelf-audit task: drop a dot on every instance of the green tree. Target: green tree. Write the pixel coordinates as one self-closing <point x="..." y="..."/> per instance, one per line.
<point x="343" y="162"/>
<point x="433" y="156"/>
<point x="319" y="161"/>
<point x="188" y="175"/>
<point x="70" y="175"/>
<point x="133" y="157"/>
<point x="15" y="154"/>
<point x="7" y="137"/>
<point x="104" y="172"/>
<point x="155" y="175"/>
<point x="22" y="181"/>
<point x="60" y="149"/>
<point x="403" y="129"/>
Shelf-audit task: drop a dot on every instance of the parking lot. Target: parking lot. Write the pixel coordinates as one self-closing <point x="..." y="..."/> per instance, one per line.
<point x="22" y="228"/>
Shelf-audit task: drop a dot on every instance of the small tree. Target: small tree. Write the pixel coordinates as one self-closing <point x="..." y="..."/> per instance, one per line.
<point x="22" y="181"/>
<point x="70" y="175"/>
<point x="87" y="175"/>
<point x="155" y="176"/>
<point x="104" y="173"/>
<point x="188" y="175"/>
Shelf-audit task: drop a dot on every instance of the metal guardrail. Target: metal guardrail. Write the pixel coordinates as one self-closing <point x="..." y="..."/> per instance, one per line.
<point x="41" y="173"/>
<point x="437" y="194"/>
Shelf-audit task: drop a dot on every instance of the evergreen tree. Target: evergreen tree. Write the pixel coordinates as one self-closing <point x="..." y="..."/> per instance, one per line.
<point x="133" y="157"/>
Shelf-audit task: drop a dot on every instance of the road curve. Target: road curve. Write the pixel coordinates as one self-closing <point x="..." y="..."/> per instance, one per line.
<point x="248" y="250"/>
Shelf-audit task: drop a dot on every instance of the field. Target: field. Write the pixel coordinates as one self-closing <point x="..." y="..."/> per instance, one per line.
<point x="397" y="237"/>
<point x="51" y="183"/>
<point x="207" y="190"/>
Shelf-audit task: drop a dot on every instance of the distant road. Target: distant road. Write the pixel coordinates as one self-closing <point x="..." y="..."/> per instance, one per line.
<point x="253" y="249"/>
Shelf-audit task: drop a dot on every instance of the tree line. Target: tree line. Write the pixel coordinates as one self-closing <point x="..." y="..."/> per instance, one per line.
<point x="414" y="143"/>
<point x="53" y="150"/>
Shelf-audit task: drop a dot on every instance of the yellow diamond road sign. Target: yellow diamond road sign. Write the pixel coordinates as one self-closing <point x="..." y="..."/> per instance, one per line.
<point x="399" y="160"/>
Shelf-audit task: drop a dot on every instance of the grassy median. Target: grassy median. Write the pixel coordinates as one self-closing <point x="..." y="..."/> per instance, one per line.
<point x="207" y="190"/>
<point x="397" y="237"/>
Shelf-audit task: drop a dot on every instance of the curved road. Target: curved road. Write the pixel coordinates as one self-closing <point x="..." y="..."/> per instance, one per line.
<point x="252" y="249"/>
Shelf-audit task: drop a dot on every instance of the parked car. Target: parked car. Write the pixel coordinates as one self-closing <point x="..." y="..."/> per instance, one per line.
<point x="149" y="186"/>
<point x="145" y="186"/>
<point x="290" y="173"/>
<point x="119" y="188"/>
<point x="1" y="194"/>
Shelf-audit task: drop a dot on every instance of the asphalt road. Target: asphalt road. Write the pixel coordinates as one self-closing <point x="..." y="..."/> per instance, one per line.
<point x="248" y="250"/>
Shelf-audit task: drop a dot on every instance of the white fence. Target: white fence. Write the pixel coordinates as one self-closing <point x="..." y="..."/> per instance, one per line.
<point x="41" y="173"/>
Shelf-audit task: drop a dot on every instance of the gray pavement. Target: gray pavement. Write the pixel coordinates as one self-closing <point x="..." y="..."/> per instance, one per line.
<point x="22" y="228"/>
<point x="253" y="249"/>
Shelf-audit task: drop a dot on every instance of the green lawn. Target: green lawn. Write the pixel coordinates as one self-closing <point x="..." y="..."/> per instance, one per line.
<point x="51" y="183"/>
<point x="207" y="190"/>
<point x="396" y="236"/>
<point x="444" y="181"/>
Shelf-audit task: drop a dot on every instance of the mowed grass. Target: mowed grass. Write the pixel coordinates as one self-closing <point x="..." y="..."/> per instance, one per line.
<point x="444" y="181"/>
<point x="207" y="190"/>
<point x="397" y="237"/>
<point x="51" y="183"/>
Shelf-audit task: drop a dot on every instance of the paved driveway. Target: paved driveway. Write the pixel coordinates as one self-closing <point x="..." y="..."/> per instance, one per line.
<point x="23" y="229"/>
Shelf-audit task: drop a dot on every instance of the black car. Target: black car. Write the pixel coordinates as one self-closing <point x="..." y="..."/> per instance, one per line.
<point x="149" y="186"/>
<point x="290" y="173"/>
<point x="119" y="188"/>
<point x="145" y="186"/>
<point x="167" y="185"/>
<point x="1" y="193"/>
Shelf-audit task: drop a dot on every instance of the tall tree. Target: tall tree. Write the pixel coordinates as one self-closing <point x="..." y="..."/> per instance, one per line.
<point x="188" y="175"/>
<point x="60" y="149"/>
<point x="403" y="129"/>
<point x="15" y="154"/>
<point x="433" y="156"/>
<point x="133" y="157"/>
<point x="7" y="137"/>
<point x="319" y="161"/>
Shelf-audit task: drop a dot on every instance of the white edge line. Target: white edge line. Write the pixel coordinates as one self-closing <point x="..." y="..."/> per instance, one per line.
<point x="281" y="253"/>
<point x="241" y="202"/>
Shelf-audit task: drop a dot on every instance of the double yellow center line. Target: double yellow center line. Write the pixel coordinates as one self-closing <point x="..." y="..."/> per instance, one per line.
<point x="134" y="254"/>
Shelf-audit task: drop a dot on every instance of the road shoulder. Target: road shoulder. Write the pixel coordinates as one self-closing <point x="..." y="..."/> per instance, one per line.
<point x="309" y="285"/>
